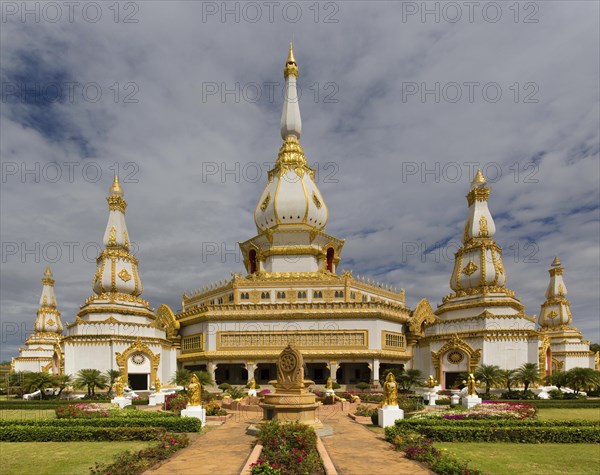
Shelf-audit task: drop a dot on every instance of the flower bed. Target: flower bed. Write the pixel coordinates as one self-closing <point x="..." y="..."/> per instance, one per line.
<point x="175" y="402"/>
<point x="488" y="410"/>
<point x="288" y="449"/>
<point x="417" y="447"/>
<point x="134" y="463"/>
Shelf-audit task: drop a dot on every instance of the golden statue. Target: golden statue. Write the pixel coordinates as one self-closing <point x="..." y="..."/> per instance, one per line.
<point x="431" y="382"/>
<point x="329" y="383"/>
<point x="157" y="385"/>
<point x="390" y="390"/>
<point x="119" y="386"/>
<point x="194" y="391"/>
<point x="252" y="384"/>
<point x="471" y="391"/>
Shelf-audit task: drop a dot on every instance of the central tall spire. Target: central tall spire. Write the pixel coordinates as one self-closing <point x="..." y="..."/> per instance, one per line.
<point x="291" y="214"/>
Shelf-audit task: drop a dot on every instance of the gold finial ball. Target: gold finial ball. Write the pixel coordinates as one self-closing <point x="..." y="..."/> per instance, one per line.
<point x="556" y="262"/>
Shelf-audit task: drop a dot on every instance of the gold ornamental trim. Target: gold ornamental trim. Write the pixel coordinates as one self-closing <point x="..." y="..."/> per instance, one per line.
<point x="138" y="346"/>
<point x="309" y="355"/>
<point x="306" y="339"/>
<point x="480" y="193"/>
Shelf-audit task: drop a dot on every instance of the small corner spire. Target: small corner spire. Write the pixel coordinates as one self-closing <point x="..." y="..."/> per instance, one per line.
<point x="48" y="272"/>
<point x="556" y="262"/>
<point x="479" y="178"/>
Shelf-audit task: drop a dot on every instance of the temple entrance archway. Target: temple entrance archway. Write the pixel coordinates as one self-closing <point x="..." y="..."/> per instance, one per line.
<point x="317" y="372"/>
<point x="353" y="373"/>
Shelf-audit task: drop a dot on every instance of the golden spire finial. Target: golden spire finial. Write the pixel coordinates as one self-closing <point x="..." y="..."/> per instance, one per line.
<point x="556" y="262"/>
<point x="479" y="178"/>
<point x="291" y="58"/>
<point x="48" y="272"/>
<point x="291" y="68"/>
<point x="115" y="188"/>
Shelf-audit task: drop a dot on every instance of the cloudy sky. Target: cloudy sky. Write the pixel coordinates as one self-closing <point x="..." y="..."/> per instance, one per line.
<point x="400" y="101"/>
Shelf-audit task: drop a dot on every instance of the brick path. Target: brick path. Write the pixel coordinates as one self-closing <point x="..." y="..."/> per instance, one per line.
<point x="354" y="449"/>
<point x="223" y="450"/>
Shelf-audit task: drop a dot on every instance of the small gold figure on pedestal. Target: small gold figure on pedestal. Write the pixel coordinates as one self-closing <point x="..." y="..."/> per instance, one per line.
<point x="471" y="391"/>
<point x="329" y="383"/>
<point x="119" y="386"/>
<point x="431" y="382"/>
<point x="157" y="385"/>
<point x="194" y="391"/>
<point x="252" y="384"/>
<point x="390" y="390"/>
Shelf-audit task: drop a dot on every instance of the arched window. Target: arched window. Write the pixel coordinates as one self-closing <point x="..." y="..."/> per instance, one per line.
<point x="317" y="294"/>
<point x="302" y="294"/>
<point x="280" y="295"/>
<point x="265" y="295"/>
<point x="330" y="254"/>
<point x="252" y="257"/>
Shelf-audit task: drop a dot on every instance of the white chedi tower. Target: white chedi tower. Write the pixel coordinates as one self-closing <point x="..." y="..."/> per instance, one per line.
<point x="291" y="213"/>
<point x="42" y="350"/>
<point x="567" y="349"/>
<point x="115" y="328"/>
<point x="482" y="322"/>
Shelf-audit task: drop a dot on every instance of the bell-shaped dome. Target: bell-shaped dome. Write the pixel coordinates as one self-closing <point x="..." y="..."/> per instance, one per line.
<point x="48" y="317"/>
<point x="556" y="310"/>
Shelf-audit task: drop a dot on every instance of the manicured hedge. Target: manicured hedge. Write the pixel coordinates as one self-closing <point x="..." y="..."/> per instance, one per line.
<point x="34" y="405"/>
<point x="173" y="424"/>
<point x="526" y="435"/>
<point x="27" y="433"/>
<point x="502" y="430"/>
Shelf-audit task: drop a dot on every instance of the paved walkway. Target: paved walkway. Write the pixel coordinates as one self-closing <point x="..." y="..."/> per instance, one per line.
<point x="356" y="450"/>
<point x="223" y="450"/>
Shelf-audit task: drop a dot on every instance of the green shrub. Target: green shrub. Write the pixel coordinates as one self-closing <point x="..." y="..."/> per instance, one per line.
<point x="224" y="386"/>
<point x="28" y="433"/>
<point x="364" y="410"/>
<point x="564" y="403"/>
<point x="142" y="401"/>
<point x="336" y="385"/>
<point x="19" y="404"/>
<point x="235" y="392"/>
<point x="174" y="424"/>
<point x="519" y="395"/>
<point x="504" y="430"/>
<point x="263" y="467"/>
<point x="410" y="403"/>
<point x="134" y="463"/>
<point x="362" y="386"/>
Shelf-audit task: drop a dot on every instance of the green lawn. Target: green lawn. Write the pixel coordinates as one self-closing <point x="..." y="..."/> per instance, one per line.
<point x="563" y="414"/>
<point x="6" y="414"/>
<point x="59" y="458"/>
<point x="547" y="459"/>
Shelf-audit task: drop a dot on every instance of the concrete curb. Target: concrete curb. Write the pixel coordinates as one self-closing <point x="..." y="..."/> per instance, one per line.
<point x="253" y="457"/>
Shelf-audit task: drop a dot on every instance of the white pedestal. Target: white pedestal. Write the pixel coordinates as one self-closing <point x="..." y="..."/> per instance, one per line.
<point x="387" y="415"/>
<point x="470" y="401"/>
<point x="156" y="399"/>
<point x="432" y="398"/>
<point x="329" y="392"/>
<point x="121" y="401"/>
<point x="455" y="399"/>
<point x="195" y="411"/>
<point x="252" y="393"/>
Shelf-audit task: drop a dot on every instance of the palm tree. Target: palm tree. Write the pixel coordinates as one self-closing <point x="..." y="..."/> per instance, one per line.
<point x="558" y="379"/>
<point x="528" y="374"/>
<point x="182" y="377"/>
<point x="488" y="374"/>
<point x="40" y="382"/>
<point x="507" y="376"/>
<point x="62" y="381"/>
<point x="410" y="378"/>
<point x="204" y="377"/>
<point x="90" y="379"/>
<point x="581" y="378"/>
<point x="111" y="376"/>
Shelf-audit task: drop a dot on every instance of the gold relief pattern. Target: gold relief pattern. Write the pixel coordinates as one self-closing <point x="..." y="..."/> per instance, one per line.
<point x="116" y="203"/>
<point x="305" y="339"/>
<point x="456" y="357"/>
<point x="192" y="343"/>
<point x="473" y="356"/>
<point x="553" y="314"/>
<point x="138" y="347"/>
<point x="483" y="227"/>
<point x="166" y="319"/>
<point x="316" y="200"/>
<point x="124" y="275"/>
<point x="470" y="268"/>
<point x="112" y="237"/>
<point x="50" y="322"/>
<point x="481" y="193"/>
<point x="561" y="289"/>
<point x="466" y="231"/>
<point x="265" y="202"/>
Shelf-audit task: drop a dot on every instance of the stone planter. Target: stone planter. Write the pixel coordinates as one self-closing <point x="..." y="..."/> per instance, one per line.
<point x="360" y="419"/>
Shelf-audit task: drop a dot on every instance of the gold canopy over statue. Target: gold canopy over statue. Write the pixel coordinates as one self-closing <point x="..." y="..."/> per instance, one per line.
<point x="390" y="390"/>
<point x="194" y="391"/>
